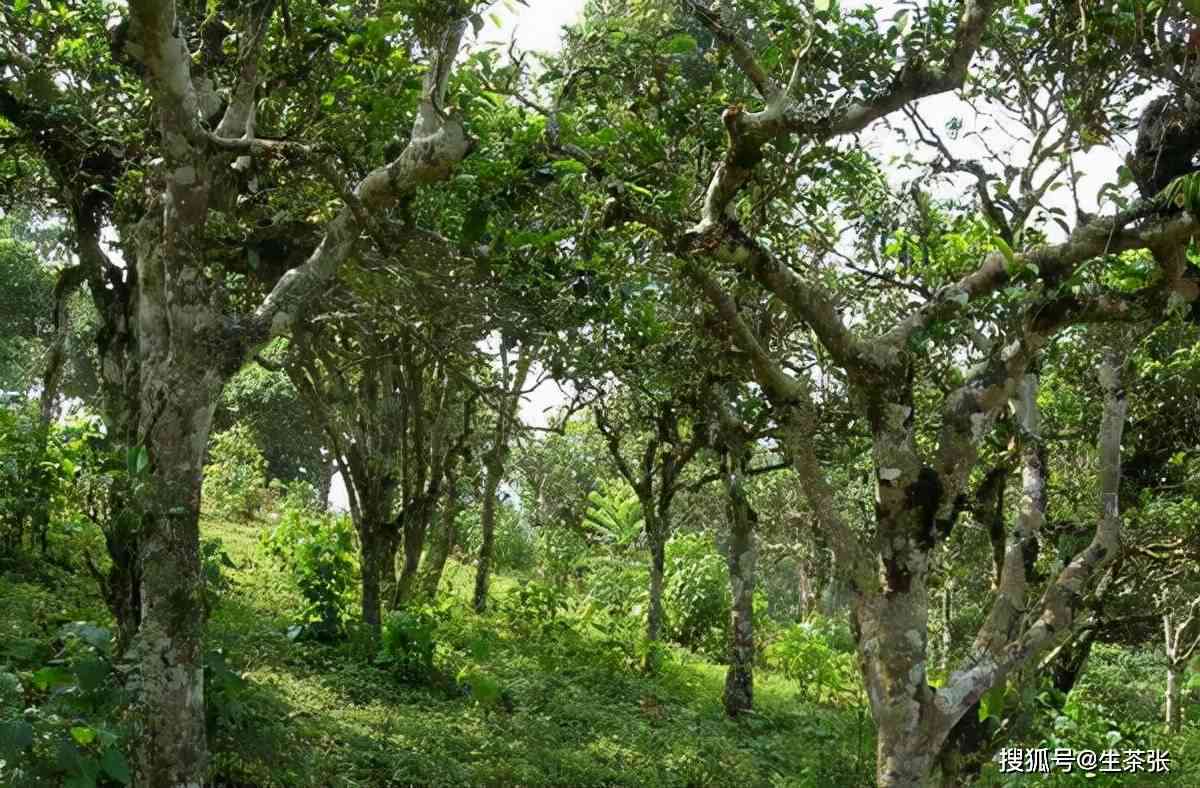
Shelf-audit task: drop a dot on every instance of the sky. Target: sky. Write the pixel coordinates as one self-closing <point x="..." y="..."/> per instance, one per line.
<point x="536" y="26"/>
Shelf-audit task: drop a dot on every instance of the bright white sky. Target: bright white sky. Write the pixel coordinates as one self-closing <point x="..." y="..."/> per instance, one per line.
<point x="536" y="27"/>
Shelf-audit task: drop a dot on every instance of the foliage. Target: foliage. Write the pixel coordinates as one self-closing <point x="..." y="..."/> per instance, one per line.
<point x="214" y="563"/>
<point x="561" y="553"/>
<point x="26" y="297"/>
<point x="516" y="544"/>
<point x="617" y="585"/>
<point x="317" y="549"/>
<point x="696" y="594"/>
<point x="818" y="655"/>
<point x="39" y="468"/>
<point x="614" y="515"/>
<point x="235" y="479"/>
<point x="266" y="402"/>
<point x="70" y="732"/>
<point x="536" y="609"/>
<point x="408" y="641"/>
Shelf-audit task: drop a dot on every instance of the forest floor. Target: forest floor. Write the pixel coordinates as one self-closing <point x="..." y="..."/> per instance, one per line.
<point x="570" y="710"/>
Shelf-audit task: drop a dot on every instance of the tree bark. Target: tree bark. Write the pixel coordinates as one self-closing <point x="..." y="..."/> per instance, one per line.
<point x="378" y="557"/>
<point x="1181" y="643"/>
<point x="1174" y="684"/>
<point x="947" y="617"/>
<point x="743" y="559"/>
<point x="487" y="526"/>
<point x="417" y="522"/>
<point x="443" y="542"/>
<point x="654" y="616"/>
<point x="172" y="743"/>
<point x="494" y="463"/>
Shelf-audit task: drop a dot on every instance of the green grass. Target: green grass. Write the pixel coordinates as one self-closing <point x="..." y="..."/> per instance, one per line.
<point x="574" y="708"/>
<point x="325" y="715"/>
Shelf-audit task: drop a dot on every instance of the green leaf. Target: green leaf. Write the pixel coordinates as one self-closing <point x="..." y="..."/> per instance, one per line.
<point x="92" y="674"/>
<point x="115" y="766"/>
<point x="475" y="223"/>
<point x="820" y="5"/>
<point x="1005" y="250"/>
<point x="15" y="736"/>
<point x="50" y="677"/>
<point x="681" y="44"/>
<point x="992" y="702"/>
<point x="137" y="460"/>
<point x="83" y="734"/>
<point x="570" y="166"/>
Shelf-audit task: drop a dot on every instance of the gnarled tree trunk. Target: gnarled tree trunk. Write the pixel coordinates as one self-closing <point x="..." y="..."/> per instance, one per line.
<point x="743" y="555"/>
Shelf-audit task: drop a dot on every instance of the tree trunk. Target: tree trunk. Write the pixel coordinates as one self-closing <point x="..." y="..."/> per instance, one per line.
<point x="656" y="536"/>
<point x="416" y="528"/>
<point x="739" y="679"/>
<point x="892" y="647"/>
<point x="443" y="543"/>
<point x="378" y="554"/>
<point x="947" y="617"/>
<point x="487" y="525"/>
<point x="325" y="481"/>
<point x="1174" y="687"/>
<point x="172" y="744"/>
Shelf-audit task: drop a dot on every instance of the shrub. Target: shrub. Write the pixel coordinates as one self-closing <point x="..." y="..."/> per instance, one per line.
<point x="617" y="585"/>
<point x="516" y="548"/>
<point x="318" y="550"/>
<point x="819" y="655"/>
<point x="213" y="563"/>
<point x="61" y="730"/>
<point x="696" y="595"/>
<point x="515" y="545"/>
<point x="614" y="515"/>
<point x="562" y="553"/>
<point x="409" y="638"/>
<point x="535" y="609"/>
<point x="39" y="466"/>
<point x="235" y="478"/>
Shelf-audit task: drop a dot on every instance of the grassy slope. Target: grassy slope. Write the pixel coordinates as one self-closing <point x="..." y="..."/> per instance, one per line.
<point x="324" y="715"/>
<point x="306" y="714"/>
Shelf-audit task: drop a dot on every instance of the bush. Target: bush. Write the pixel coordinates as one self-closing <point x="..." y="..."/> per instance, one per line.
<point x="516" y="549"/>
<point x="562" y="553"/>
<point x="213" y="563"/>
<point x="408" y="641"/>
<point x="617" y="585"/>
<point x="318" y="550"/>
<point x="61" y="729"/>
<point x="819" y="655"/>
<point x="535" y="609"/>
<point x="38" y="470"/>
<point x="696" y="595"/>
<point x="235" y="478"/>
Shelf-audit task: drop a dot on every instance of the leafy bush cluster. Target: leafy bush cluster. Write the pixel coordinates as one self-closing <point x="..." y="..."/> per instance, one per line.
<point x="317" y="549"/>
<point x="515" y="546"/>
<point x="235" y="478"/>
<point x="60" y="724"/>
<point x="38" y="467"/>
<point x="696" y="595"/>
<point x="818" y="655"/>
<point x="408" y="641"/>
